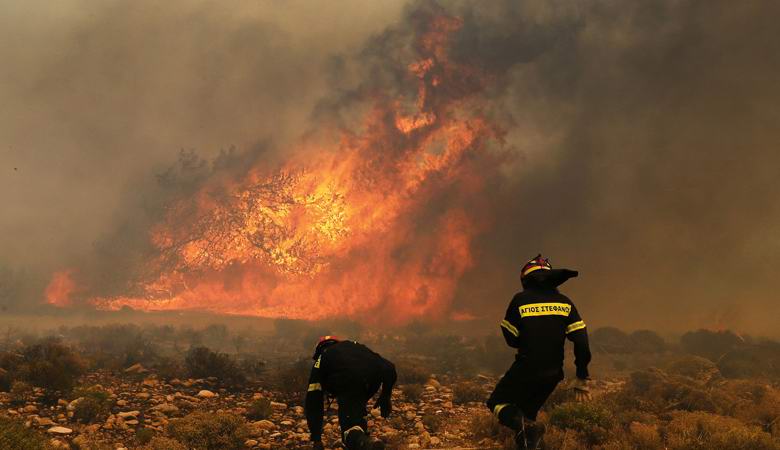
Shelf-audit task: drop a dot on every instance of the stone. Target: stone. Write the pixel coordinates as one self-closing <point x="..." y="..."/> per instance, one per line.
<point x="59" y="430"/>
<point x="128" y="414"/>
<point x="279" y="406"/>
<point x="250" y="443"/>
<point x="166" y="408"/>
<point x="205" y="393"/>
<point x="136" y="368"/>
<point x="264" y="425"/>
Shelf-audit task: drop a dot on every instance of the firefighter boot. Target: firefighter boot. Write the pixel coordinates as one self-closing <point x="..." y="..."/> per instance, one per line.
<point x="356" y="439"/>
<point x="529" y="435"/>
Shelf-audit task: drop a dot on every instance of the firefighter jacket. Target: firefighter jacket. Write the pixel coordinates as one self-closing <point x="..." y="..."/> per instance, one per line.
<point x="537" y="323"/>
<point x="346" y="368"/>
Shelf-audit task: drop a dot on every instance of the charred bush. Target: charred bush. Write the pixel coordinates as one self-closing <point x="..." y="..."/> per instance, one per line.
<point x="210" y="431"/>
<point x="201" y="362"/>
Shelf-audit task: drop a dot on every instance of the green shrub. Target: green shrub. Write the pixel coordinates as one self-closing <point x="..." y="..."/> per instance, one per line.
<point x="465" y="392"/>
<point x="14" y="435"/>
<point x="259" y="409"/>
<point x="210" y="431"/>
<point x="589" y="418"/>
<point x="412" y="392"/>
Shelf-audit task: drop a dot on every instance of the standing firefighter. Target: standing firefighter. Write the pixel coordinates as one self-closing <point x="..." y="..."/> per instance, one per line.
<point x="537" y="322"/>
<point x="351" y="373"/>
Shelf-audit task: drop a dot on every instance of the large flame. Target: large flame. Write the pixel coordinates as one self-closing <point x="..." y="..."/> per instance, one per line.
<point x="373" y="224"/>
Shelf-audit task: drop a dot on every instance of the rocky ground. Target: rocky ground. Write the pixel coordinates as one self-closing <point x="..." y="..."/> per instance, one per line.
<point x="140" y="400"/>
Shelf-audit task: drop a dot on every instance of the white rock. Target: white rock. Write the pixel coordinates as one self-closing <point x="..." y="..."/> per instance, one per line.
<point x="60" y="430"/>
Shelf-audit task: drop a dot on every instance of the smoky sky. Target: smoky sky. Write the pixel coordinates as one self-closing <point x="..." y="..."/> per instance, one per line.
<point x="643" y="134"/>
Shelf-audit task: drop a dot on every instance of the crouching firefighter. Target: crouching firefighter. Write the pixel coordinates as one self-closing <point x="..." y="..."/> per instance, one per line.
<point x="352" y="373"/>
<point x="537" y="323"/>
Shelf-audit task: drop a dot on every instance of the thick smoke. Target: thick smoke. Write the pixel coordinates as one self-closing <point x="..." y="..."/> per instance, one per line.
<point x="641" y="134"/>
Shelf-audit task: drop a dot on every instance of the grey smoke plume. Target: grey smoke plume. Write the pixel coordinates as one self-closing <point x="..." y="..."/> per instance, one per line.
<point x="643" y="133"/>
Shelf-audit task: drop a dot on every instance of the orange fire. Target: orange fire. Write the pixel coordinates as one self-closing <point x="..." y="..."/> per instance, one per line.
<point x="373" y="224"/>
<point x="60" y="289"/>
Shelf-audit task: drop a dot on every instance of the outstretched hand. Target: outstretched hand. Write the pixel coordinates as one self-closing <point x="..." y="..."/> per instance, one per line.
<point x="582" y="390"/>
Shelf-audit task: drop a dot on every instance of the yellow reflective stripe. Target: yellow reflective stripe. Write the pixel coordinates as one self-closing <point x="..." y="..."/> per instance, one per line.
<point x="533" y="269"/>
<point x="509" y="327"/>
<point x="497" y="409"/>
<point x="575" y="326"/>
<point x="545" y="309"/>
<point x="315" y="387"/>
<point x="317" y="364"/>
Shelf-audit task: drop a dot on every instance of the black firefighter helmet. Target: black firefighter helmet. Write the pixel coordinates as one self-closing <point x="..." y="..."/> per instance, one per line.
<point x="539" y="273"/>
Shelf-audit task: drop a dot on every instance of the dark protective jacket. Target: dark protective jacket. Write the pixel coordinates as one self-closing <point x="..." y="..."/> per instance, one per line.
<point x="537" y="322"/>
<point x="346" y="368"/>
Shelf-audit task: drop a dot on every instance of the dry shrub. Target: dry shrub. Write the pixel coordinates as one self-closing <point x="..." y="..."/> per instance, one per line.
<point x="411" y="371"/>
<point x="466" y="391"/>
<point x="555" y="438"/>
<point x="485" y="425"/>
<point x="210" y="431"/>
<point x="20" y="392"/>
<point x="201" y="362"/>
<point x="432" y="422"/>
<point x="259" y="409"/>
<point x="293" y="379"/>
<point x="412" y="392"/>
<point x="14" y="435"/>
<point x="94" y="405"/>
<point x="704" y="431"/>
<point x="163" y="443"/>
<point x="644" y="437"/>
<point x="590" y="419"/>
<point x="696" y="368"/>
